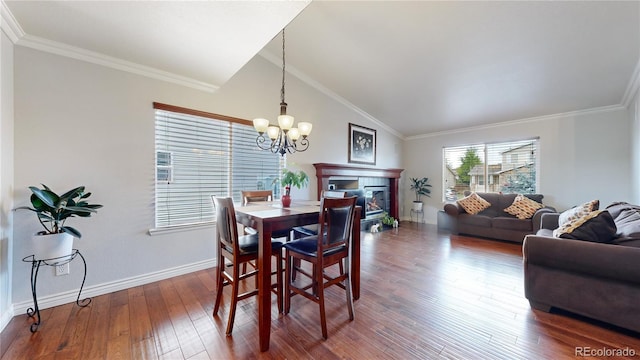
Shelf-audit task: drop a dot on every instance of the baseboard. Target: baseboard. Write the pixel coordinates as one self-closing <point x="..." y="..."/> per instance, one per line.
<point x="6" y="317"/>
<point x="105" y="288"/>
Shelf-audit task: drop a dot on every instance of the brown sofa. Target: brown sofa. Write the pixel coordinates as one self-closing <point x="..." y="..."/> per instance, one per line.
<point x="493" y="222"/>
<point x="599" y="280"/>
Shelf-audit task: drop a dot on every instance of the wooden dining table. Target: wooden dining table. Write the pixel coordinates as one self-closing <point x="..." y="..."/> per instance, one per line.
<point x="268" y="217"/>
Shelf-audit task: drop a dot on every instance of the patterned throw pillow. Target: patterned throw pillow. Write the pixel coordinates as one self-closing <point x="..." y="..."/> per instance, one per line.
<point x="523" y="207"/>
<point x="596" y="226"/>
<point x="473" y="203"/>
<point x="578" y="212"/>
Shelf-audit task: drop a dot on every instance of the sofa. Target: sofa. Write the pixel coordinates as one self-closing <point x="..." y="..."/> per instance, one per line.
<point x="595" y="273"/>
<point x="493" y="222"/>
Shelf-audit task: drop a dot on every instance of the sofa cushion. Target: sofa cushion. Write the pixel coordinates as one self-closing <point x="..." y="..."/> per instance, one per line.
<point x="596" y="226"/>
<point x="475" y="220"/>
<point x="510" y="223"/>
<point x="473" y="203"/>
<point x="523" y="207"/>
<point x="578" y="211"/>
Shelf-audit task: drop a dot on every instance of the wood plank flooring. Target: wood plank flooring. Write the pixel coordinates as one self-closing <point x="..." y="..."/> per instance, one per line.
<point x="425" y="295"/>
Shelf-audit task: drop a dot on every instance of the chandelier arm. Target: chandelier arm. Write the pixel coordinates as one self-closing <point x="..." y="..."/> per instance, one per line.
<point x="260" y="141"/>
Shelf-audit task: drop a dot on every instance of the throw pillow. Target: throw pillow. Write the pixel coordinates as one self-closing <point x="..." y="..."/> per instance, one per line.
<point x="596" y="226"/>
<point x="473" y="203"/>
<point x="578" y="212"/>
<point x="523" y="207"/>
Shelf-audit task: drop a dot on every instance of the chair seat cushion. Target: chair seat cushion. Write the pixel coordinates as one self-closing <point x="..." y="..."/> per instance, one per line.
<point x="249" y="244"/>
<point x="309" y="246"/>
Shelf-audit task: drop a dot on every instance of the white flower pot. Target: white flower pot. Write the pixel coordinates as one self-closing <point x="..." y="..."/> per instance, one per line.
<point x="417" y="205"/>
<point x="52" y="246"/>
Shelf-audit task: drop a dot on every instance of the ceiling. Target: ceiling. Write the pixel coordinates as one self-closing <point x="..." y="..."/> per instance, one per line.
<point x="414" y="68"/>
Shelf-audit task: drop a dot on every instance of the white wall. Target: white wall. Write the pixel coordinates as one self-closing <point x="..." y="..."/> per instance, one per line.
<point x="6" y="176"/>
<point x="78" y="123"/>
<point x="582" y="157"/>
<point x="634" y="116"/>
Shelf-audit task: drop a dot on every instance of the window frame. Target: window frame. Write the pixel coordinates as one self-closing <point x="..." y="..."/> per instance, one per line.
<point x="162" y="225"/>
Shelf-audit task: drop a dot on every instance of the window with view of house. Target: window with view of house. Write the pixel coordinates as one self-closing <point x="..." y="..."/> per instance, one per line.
<point x="507" y="167"/>
<point x="200" y="154"/>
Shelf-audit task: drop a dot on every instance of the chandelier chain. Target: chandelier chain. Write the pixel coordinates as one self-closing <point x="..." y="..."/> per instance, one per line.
<point x="283" y="66"/>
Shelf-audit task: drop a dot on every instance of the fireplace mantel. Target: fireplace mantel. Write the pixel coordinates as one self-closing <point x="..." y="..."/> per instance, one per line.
<point x="324" y="171"/>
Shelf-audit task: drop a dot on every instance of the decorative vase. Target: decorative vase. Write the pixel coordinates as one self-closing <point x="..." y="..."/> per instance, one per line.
<point x="52" y="246"/>
<point x="417" y="205"/>
<point x="286" y="201"/>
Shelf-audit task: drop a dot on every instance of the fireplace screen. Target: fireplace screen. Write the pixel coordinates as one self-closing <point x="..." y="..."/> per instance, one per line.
<point x="375" y="200"/>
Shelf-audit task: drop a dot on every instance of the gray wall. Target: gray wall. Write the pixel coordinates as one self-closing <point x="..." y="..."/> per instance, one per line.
<point x="78" y="123"/>
<point x="583" y="156"/>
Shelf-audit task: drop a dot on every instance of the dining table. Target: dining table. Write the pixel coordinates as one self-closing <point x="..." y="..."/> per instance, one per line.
<point x="268" y="217"/>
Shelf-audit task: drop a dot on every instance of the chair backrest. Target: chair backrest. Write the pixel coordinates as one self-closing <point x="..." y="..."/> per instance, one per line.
<point x="333" y="194"/>
<point x="256" y="195"/>
<point x="336" y="222"/>
<point x="226" y="228"/>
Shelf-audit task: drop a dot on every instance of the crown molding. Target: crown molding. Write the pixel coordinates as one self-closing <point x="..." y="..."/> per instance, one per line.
<point x="632" y="87"/>
<point x="14" y="31"/>
<point x="9" y="24"/>
<point x="597" y="110"/>
<point x="321" y="88"/>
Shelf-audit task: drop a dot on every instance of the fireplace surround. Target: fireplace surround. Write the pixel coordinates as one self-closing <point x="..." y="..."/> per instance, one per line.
<point x="364" y="177"/>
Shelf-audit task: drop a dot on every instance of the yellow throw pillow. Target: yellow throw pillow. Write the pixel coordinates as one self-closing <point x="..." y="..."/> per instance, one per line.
<point x="473" y="203"/>
<point x="523" y="207"/>
<point x="577" y="212"/>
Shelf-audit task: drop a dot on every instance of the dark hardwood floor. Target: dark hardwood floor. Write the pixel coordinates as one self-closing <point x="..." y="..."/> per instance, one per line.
<point x="424" y="295"/>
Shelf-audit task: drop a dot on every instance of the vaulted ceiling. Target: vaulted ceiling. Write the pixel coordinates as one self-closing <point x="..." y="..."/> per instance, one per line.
<point x="412" y="67"/>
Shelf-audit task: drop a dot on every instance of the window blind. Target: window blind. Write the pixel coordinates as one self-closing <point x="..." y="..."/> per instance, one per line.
<point x="507" y="167"/>
<point x="200" y="156"/>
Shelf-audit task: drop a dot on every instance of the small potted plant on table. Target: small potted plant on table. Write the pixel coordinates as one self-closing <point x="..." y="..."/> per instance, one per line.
<point x="290" y="178"/>
<point x="56" y="240"/>
<point x="420" y="187"/>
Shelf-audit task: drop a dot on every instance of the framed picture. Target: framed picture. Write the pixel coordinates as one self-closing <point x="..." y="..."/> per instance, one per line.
<point x="362" y="145"/>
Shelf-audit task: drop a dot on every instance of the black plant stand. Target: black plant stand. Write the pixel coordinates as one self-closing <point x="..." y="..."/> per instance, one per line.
<point x="34" y="312"/>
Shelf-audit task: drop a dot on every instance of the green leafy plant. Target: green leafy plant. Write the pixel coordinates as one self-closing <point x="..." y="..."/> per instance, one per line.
<point x="290" y="178"/>
<point x="388" y="220"/>
<point x="420" y="187"/>
<point x="53" y="209"/>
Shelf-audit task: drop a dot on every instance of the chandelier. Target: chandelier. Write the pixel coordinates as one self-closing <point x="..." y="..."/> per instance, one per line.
<point x="284" y="138"/>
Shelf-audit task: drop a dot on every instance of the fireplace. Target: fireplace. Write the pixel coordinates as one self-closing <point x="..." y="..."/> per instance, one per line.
<point x="375" y="200"/>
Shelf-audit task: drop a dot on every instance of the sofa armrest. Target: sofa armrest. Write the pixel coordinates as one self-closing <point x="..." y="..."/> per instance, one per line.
<point x="615" y="262"/>
<point x="548" y="220"/>
<point x="453" y="209"/>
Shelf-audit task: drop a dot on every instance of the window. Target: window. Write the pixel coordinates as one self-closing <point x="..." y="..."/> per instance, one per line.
<point x="201" y="154"/>
<point x="509" y="167"/>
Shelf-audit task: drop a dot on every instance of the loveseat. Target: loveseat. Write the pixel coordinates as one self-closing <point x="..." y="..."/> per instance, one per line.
<point x="493" y="222"/>
<point x="596" y="273"/>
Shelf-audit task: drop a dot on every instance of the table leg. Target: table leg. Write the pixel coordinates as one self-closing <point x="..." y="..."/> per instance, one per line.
<point x="86" y="301"/>
<point x="264" y="285"/>
<point x="34" y="312"/>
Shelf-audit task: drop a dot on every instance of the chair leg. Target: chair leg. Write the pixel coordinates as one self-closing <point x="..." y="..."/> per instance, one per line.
<point x="319" y="285"/>
<point x="220" y="283"/>
<point x="279" y="269"/>
<point x="287" y="282"/>
<point x="347" y="287"/>
<point x="234" y="299"/>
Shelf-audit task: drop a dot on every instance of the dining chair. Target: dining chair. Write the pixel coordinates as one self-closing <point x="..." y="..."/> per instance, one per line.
<point x="329" y="247"/>
<point x="309" y="230"/>
<point x="249" y="196"/>
<point x="238" y="250"/>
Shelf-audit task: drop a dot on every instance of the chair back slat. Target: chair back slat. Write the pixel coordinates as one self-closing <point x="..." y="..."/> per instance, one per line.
<point x="256" y="195"/>
<point x="336" y="222"/>
<point x="226" y="228"/>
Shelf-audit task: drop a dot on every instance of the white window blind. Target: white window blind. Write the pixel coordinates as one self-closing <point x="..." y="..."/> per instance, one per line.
<point x="207" y="156"/>
<point x="507" y="167"/>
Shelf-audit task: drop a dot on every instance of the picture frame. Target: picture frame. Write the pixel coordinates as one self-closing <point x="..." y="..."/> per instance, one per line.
<point x="362" y="145"/>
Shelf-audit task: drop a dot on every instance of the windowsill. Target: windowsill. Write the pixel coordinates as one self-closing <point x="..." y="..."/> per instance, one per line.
<point x="180" y="228"/>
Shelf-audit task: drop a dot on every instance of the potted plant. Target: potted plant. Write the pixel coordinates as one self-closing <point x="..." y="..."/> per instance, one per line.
<point x="420" y="187"/>
<point x="56" y="240"/>
<point x="290" y="178"/>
